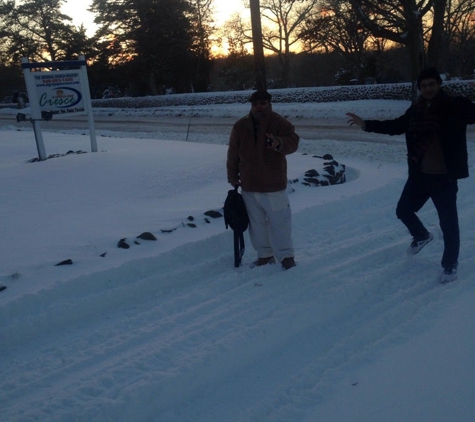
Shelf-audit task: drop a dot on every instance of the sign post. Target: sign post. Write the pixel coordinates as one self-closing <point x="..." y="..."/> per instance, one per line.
<point x="64" y="90"/>
<point x="35" y="113"/>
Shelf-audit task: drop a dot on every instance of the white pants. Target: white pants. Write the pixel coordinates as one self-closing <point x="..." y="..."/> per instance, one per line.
<point x="270" y="223"/>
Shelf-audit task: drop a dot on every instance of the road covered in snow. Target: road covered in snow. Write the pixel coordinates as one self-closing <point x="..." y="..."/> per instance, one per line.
<point x="170" y="331"/>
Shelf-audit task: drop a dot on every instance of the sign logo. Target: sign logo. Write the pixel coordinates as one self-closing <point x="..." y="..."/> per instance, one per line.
<point x="59" y="92"/>
<point x="60" y="97"/>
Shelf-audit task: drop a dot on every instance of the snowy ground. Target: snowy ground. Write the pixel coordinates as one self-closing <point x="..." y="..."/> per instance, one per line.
<point x="170" y="331"/>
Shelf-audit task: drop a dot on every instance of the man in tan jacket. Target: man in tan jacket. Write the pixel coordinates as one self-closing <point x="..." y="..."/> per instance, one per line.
<point x="256" y="161"/>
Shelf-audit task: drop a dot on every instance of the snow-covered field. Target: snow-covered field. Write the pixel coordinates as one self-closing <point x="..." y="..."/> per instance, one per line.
<point x="170" y="331"/>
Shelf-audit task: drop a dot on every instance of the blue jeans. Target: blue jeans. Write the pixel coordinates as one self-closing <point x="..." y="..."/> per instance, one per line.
<point x="443" y="192"/>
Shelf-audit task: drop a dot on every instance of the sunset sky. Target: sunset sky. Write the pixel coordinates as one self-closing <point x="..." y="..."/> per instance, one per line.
<point x="78" y="12"/>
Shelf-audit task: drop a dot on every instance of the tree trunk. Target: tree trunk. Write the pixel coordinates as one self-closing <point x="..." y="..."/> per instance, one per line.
<point x="415" y="44"/>
<point x="435" y="51"/>
<point x="152" y="84"/>
<point x="261" y="83"/>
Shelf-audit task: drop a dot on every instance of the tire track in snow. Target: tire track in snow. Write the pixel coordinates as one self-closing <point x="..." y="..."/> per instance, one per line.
<point x="371" y="307"/>
<point x="407" y="309"/>
<point x="187" y="328"/>
<point x="126" y="323"/>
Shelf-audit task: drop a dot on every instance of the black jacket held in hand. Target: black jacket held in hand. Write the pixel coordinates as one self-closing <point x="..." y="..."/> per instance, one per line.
<point x="454" y="114"/>
<point x="235" y="214"/>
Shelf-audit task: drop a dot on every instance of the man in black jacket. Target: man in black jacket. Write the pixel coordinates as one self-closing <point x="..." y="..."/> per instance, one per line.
<point x="435" y="127"/>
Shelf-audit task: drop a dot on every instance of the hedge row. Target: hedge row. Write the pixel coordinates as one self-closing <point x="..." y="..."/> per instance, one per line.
<point x="290" y="95"/>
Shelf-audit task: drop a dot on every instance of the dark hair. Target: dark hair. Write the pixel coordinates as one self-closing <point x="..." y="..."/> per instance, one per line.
<point x="260" y="95"/>
<point x="429" y="73"/>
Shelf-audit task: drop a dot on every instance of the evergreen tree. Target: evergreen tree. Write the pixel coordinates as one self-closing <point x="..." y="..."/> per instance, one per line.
<point x="38" y="30"/>
<point x="155" y="35"/>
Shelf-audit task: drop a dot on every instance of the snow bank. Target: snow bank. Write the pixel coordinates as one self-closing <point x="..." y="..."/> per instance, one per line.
<point x="400" y="91"/>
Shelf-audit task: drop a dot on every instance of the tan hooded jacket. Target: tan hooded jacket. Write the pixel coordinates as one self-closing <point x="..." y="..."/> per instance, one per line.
<point x="250" y="163"/>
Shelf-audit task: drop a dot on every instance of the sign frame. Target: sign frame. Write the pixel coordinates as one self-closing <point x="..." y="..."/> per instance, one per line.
<point x="60" y="91"/>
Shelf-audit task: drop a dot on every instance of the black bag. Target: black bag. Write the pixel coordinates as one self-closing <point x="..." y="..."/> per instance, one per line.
<point x="235" y="216"/>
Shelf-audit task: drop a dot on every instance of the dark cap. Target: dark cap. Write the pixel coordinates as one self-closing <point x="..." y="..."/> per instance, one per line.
<point x="429" y="73"/>
<point x="260" y="95"/>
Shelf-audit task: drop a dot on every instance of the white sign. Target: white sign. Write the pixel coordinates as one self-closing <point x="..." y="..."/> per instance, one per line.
<point x="59" y="92"/>
<point x="56" y="92"/>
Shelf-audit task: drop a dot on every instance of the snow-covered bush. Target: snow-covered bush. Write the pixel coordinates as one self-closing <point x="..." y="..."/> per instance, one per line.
<point x="400" y="91"/>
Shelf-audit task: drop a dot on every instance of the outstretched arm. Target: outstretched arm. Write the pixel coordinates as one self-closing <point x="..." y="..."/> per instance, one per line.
<point x="396" y="126"/>
<point x="356" y="120"/>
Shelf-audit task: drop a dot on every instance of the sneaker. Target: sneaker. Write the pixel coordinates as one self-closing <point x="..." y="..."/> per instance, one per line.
<point x="264" y="261"/>
<point x="448" y="275"/>
<point x="288" y="263"/>
<point x="418" y="244"/>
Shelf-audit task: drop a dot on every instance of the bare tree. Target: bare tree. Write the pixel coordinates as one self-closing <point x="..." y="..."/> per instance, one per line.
<point x="282" y="24"/>
<point x="235" y="33"/>
<point x="337" y="29"/>
<point x="238" y="71"/>
<point x="406" y="22"/>
<point x="283" y="21"/>
<point x="459" y="35"/>
<point x="398" y="21"/>
<point x="202" y="27"/>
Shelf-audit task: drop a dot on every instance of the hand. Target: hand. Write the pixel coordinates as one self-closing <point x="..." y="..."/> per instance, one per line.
<point x="355" y="120"/>
<point x="272" y="143"/>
